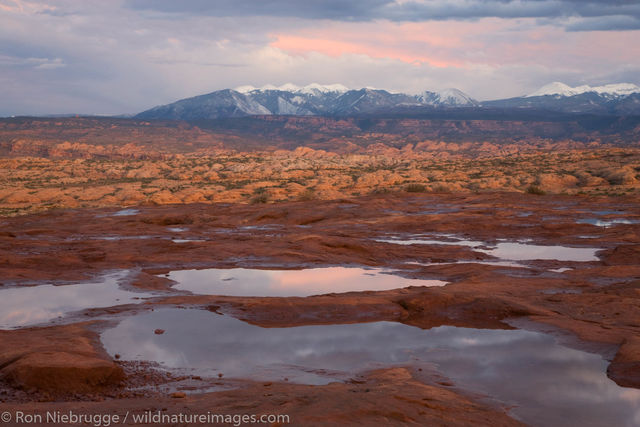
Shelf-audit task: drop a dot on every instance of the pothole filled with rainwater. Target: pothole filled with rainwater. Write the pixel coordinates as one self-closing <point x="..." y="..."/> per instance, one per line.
<point x="606" y="223"/>
<point x="290" y="283"/>
<point x="545" y="382"/>
<point x="510" y="251"/>
<point x="30" y="305"/>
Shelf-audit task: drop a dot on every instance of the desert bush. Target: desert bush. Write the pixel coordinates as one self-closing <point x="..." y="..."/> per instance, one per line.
<point x="534" y="189"/>
<point x="260" y="198"/>
<point x="381" y="190"/>
<point x="441" y="188"/>
<point x="415" y="188"/>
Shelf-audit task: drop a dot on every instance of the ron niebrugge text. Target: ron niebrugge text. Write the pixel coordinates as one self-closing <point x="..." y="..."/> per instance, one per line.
<point x="147" y="417"/>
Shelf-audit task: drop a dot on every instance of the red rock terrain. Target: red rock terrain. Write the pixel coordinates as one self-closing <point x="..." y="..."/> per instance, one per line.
<point x="67" y="362"/>
<point x="253" y="199"/>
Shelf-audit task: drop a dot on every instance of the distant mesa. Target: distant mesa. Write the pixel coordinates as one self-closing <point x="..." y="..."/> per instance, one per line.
<point x="338" y="100"/>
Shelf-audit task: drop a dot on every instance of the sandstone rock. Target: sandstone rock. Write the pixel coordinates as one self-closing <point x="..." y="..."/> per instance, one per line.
<point x="556" y="183"/>
<point x="164" y="197"/>
<point x="188" y="196"/>
<point x="625" y="367"/>
<point x="62" y="372"/>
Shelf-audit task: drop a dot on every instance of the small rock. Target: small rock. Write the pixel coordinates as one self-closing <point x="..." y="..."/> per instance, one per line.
<point x="159" y="331"/>
<point x="446" y="383"/>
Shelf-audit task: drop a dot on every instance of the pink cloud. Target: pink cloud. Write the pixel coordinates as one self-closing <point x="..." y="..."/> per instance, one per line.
<point x="491" y="41"/>
<point x="413" y="43"/>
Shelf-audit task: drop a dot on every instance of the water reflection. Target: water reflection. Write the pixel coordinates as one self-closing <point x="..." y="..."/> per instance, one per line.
<point x="606" y="222"/>
<point x="442" y="239"/>
<point x="126" y="212"/>
<point x="525" y="251"/>
<point x="513" y="251"/>
<point x="312" y="281"/>
<point x="22" y="306"/>
<point x="550" y="384"/>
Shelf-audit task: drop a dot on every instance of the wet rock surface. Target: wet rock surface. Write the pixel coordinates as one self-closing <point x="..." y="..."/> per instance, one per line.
<point x="595" y="301"/>
<point x="62" y="361"/>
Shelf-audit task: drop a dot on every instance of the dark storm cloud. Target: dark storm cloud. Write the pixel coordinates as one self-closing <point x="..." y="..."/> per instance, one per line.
<point x="310" y="9"/>
<point x="599" y="14"/>
<point x="606" y="23"/>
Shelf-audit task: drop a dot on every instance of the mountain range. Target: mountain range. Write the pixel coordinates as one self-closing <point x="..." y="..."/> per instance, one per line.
<point x="338" y="100"/>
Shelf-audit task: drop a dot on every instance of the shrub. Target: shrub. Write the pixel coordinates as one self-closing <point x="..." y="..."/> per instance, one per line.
<point x="381" y="190"/>
<point x="415" y="188"/>
<point x="260" y="198"/>
<point x="534" y="189"/>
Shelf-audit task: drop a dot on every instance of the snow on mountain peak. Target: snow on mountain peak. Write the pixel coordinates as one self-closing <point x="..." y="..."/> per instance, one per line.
<point x="447" y="97"/>
<point x="558" y="88"/>
<point x="290" y="87"/>
<point x="337" y="87"/>
<point x="245" y="89"/>
<point x="454" y="96"/>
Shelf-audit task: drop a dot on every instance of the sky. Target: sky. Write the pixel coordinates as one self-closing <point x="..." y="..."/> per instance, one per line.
<point x="125" y="56"/>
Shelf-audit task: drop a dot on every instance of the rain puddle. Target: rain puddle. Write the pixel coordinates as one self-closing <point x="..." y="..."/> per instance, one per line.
<point x="561" y="270"/>
<point x="526" y="252"/>
<point x="545" y="382"/>
<point x="30" y="305"/>
<point x="606" y="222"/>
<point x="493" y="263"/>
<point x="115" y="238"/>
<point x="126" y="212"/>
<point x="261" y="227"/>
<point x="299" y="283"/>
<point x="513" y="251"/>
<point x="441" y="239"/>
<point x="608" y="212"/>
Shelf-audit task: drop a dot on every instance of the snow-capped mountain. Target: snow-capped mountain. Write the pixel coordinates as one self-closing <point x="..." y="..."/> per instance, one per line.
<point x="561" y="89"/>
<point x="447" y="97"/>
<point x="223" y="103"/>
<point x="338" y="100"/>
<point x="311" y="89"/>
<point x="310" y="100"/>
<point x="618" y="99"/>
